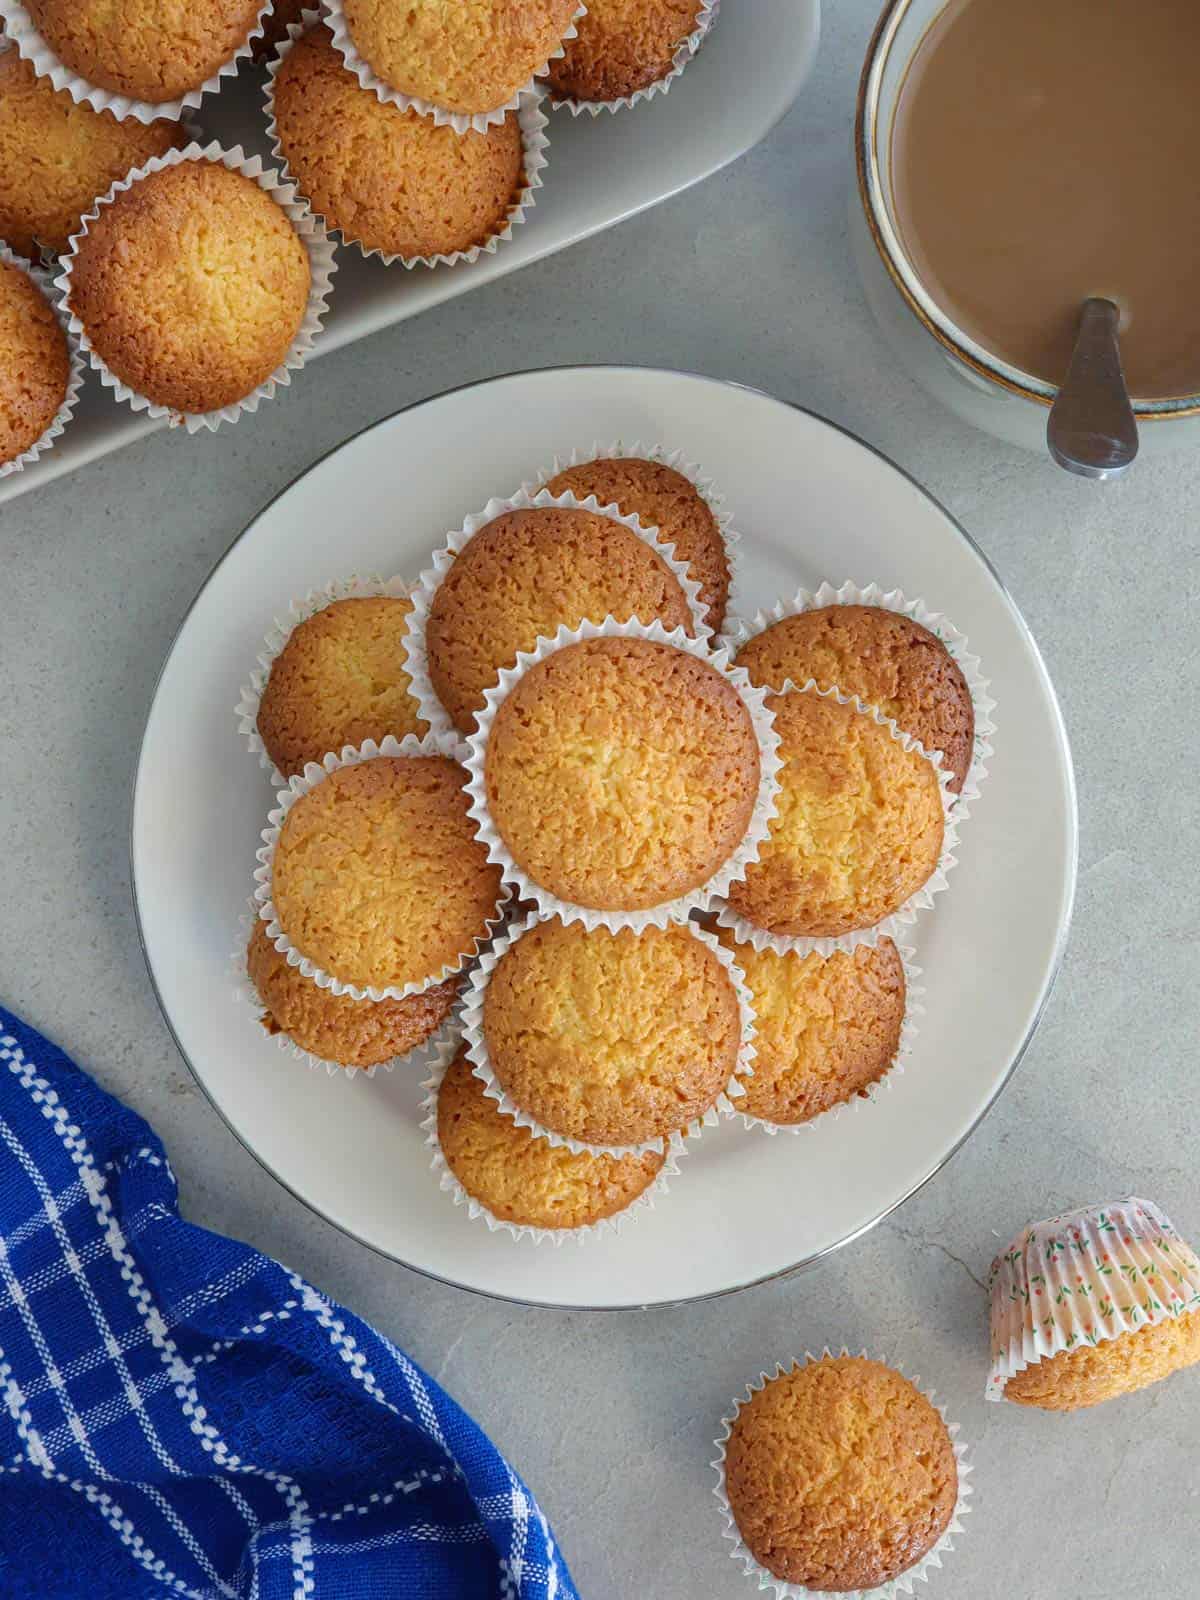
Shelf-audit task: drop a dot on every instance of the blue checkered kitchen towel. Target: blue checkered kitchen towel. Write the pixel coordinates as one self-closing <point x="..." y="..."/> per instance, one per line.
<point x="183" y="1416"/>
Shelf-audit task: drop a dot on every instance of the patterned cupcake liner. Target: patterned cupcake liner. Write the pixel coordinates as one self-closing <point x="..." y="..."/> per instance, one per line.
<point x="24" y="33"/>
<point x="1085" y="1277"/>
<point x="480" y="121"/>
<point x="723" y="1106"/>
<point x="312" y="235"/>
<point x="432" y="744"/>
<point x="894" y="925"/>
<point x="918" y="1572"/>
<point x="740" y="632"/>
<point x="41" y="278"/>
<point x="735" y="864"/>
<point x="683" y="55"/>
<point x="430" y="580"/>
<point x="447" y="1049"/>
<point x="534" y="138"/>
<point x="675" y="459"/>
<point x="277" y="636"/>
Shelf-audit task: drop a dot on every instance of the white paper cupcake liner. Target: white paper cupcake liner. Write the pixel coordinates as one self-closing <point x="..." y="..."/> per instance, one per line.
<point x="277" y="636"/>
<point x="730" y="871"/>
<point x="683" y="54"/>
<point x="675" y="459"/>
<point x="894" y="925"/>
<point x="447" y="1049"/>
<point x="723" y="1106"/>
<point x="321" y="261"/>
<point x="534" y="138"/>
<point x="1084" y="1277"/>
<point x="24" y="33"/>
<point x="921" y="1569"/>
<point x="914" y="995"/>
<point x="460" y="121"/>
<point x="431" y="745"/>
<point x="740" y="632"/>
<point x="42" y="280"/>
<point x="430" y="580"/>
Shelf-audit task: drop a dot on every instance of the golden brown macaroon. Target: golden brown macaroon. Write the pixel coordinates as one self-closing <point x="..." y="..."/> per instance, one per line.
<point x="859" y="825"/>
<point x="840" y="1474"/>
<point x="145" y="49"/>
<point x="1091" y="1374"/>
<point x="191" y="286"/>
<point x="664" y="499"/>
<point x="522" y="577"/>
<point x="35" y="363"/>
<point x="57" y="156"/>
<point x="340" y="679"/>
<point x="622" y="773"/>
<point x="622" y="46"/>
<point x="336" y="1027"/>
<point x="825" y="1027"/>
<point x="275" y="28"/>
<point x="378" y="877"/>
<point x="887" y="660"/>
<point x="464" y="55"/>
<point x="388" y="179"/>
<point x="611" y="1038"/>
<point x="521" y="1178"/>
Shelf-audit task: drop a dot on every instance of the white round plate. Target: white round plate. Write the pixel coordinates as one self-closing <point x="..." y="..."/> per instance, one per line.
<point x="812" y="503"/>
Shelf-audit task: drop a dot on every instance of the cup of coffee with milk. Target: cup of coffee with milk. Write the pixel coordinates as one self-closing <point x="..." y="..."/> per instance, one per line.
<point x="1029" y="205"/>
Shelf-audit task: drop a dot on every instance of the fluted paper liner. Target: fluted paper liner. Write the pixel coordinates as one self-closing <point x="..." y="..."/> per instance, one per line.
<point x="897" y="922"/>
<point x="446" y="1050"/>
<point x="1084" y="1277"/>
<point x="312" y="235"/>
<point x="735" y="864"/>
<point x="37" y="50"/>
<point x="723" y="1106"/>
<point x="850" y="594"/>
<point x="460" y="121"/>
<point x="45" y="441"/>
<point x="918" y="1572"/>
<point x="430" y="580"/>
<point x="534" y="139"/>
<point x="683" y="54"/>
<point x="431" y="744"/>
<point x="277" y="636"/>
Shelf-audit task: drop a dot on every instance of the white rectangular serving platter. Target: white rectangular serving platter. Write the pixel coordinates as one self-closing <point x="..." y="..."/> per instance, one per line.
<point x="602" y="170"/>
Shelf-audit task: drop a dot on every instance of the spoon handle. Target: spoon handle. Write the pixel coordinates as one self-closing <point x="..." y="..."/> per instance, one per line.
<point x="1092" y="430"/>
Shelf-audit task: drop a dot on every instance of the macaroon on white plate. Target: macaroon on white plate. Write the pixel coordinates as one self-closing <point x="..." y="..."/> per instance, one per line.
<point x="812" y="503"/>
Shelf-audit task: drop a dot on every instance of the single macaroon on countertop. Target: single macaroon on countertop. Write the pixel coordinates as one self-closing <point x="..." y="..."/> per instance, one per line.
<point x="35" y="363"/>
<point x="622" y="46"/>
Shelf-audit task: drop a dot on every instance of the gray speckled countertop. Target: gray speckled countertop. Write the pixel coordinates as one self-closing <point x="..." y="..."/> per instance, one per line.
<point x="610" y="1419"/>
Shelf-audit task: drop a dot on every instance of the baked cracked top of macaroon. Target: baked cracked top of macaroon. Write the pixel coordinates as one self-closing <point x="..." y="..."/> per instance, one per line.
<point x="464" y="55"/>
<point x="56" y="156"/>
<point x="336" y="1027"/>
<point x="612" y="1039"/>
<point x="859" y="824"/>
<point x="378" y="877"/>
<point x="622" y="773"/>
<point x="884" y="658"/>
<point x="825" y="1027"/>
<point x="522" y="577"/>
<point x="662" y="498"/>
<point x="622" y="46"/>
<point x="840" y="1474"/>
<point x="143" y="48"/>
<point x="1092" y="1374"/>
<point x="521" y="1178"/>
<point x="35" y="363"/>
<point x="340" y="679"/>
<point x="192" y="286"/>
<point x="388" y="179"/>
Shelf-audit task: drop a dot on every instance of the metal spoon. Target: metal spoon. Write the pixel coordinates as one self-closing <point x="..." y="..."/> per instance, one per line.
<point x="1092" y="430"/>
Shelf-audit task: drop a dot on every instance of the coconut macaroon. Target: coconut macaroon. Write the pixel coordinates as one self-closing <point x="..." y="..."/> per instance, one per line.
<point x="387" y="179"/>
<point x="57" y="156"/>
<point x="35" y="363"/>
<point x="622" y="46"/>
<point x="859" y="827"/>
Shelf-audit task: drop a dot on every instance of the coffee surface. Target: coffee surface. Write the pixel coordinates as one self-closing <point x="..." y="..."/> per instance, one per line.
<point x="1048" y="150"/>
